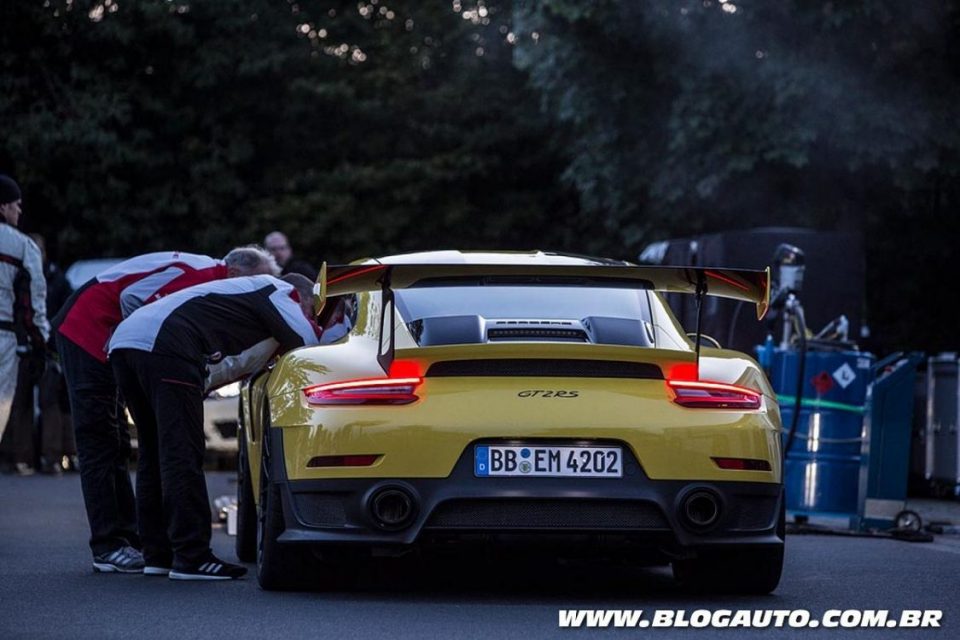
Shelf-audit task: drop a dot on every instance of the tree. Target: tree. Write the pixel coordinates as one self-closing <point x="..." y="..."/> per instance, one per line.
<point x="701" y="116"/>
<point x="419" y="133"/>
<point x="357" y="128"/>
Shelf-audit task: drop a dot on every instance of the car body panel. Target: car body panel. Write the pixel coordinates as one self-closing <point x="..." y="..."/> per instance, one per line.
<point x="671" y="442"/>
<point x="750" y="518"/>
<point x="426" y="446"/>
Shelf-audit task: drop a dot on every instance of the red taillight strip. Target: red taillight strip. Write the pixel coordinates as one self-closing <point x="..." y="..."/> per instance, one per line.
<point x="359" y="384"/>
<point x="728" y="280"/>
<point x="343" y="461"/>
<point x="368" y="391"/>
<point x="742" y="464"/>
<point x="713" y="386"/>
<point x="354" y="274"/>
<point x="701" y="394"/>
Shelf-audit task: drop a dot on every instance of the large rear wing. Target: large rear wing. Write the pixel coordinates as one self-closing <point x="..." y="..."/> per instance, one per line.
<point x="747" y="285"/>
<point x="737" y="284"/>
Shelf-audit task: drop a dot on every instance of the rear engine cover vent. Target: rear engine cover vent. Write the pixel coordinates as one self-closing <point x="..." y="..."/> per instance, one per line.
<point x="553" y="330"/>
<point x="576" y="335"/>
<point x="533" y="323"/>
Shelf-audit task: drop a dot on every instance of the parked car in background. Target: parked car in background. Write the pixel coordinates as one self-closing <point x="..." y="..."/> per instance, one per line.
<point x="220" y="420"/>
<point x="82" y="271"/>
<point x="219" y="408"/>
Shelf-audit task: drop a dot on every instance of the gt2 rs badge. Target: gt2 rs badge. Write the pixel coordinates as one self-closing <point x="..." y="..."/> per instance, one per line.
<point x="547" y="393"/>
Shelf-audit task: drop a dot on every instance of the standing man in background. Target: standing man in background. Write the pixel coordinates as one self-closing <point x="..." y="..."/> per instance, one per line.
<point x="278" y="245"/>
<point x="23" y="320"/>
<point x="84" y="327"/>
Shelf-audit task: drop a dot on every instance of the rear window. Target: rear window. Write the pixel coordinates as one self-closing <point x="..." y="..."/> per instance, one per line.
<point x="490" y="313"/>
<point x="523" y="302"/>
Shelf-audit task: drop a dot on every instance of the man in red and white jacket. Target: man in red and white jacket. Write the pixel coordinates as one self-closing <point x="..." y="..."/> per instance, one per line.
<point x="84" y="327"/>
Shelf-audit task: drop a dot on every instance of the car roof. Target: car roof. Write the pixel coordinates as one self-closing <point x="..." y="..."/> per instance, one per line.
<point x="83" y="270"/>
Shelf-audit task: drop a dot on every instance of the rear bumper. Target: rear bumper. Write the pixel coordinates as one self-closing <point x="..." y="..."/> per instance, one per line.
<point x="633" y="507"/>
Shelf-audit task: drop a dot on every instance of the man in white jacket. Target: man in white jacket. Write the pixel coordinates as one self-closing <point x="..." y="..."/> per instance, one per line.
<point x="164" y="357"/>
<point x="23" y="309"/>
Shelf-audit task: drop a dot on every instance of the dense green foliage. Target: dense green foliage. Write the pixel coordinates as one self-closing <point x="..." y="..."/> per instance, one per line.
<point x="706" y="116"/>
<point x="597" y="126"/>
<point x="357" y="128"/>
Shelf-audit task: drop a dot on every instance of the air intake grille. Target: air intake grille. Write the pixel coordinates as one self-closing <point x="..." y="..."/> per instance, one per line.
<point x="546" y="368"/>
<point x="518" y="514"/>
<point x="525" y="323"/>
<point x="753" y="513"/>
<point x="537" y="334"/>
<point x="319" y="510"/>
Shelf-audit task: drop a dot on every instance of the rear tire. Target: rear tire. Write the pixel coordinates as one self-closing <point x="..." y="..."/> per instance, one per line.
<point x="285" y="567"/>
<point x="748" y="571"/>
<point x="280" y="567"/>
<point x="246" y="507"/>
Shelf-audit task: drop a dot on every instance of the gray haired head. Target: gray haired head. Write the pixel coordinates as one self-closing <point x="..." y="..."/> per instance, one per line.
<point x="304" y="288"/>
<point x="250" y="260"/>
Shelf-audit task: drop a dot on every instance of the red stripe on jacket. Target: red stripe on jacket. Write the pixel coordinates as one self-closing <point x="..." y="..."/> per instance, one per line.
<point x="96" y="312"/>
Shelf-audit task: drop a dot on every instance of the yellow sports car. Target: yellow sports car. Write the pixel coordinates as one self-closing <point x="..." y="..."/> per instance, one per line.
<point x="512" y="397"/>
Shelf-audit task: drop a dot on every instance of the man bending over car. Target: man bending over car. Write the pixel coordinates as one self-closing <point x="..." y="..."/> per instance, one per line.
<point x="84" y="326"/>
<point x="165" y="357"/>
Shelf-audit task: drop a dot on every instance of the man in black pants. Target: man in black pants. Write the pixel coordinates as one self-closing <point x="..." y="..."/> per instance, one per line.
<point x="160" y="357"/>
<point x="84" y="326"/>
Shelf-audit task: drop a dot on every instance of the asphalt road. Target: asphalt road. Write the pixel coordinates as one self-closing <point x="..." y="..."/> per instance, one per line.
<point x="48" y="590"/>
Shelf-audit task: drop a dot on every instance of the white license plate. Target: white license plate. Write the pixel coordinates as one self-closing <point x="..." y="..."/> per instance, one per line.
<point x="543" y="461"/>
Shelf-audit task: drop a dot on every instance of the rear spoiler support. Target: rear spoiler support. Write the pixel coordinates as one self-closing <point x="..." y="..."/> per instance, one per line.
<point x="385" y="352"/>
<point x="701" y="291"/>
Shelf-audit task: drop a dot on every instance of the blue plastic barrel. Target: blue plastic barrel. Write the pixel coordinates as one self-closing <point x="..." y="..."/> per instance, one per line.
<point x="885" y="460"/>
<point x="822" y="467"/>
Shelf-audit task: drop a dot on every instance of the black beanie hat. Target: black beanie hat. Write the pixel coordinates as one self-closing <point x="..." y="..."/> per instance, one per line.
<point x="9" y="191"/>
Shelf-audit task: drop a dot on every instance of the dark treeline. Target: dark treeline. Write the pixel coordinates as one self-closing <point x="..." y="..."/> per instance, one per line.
<point x="597" y="126"/>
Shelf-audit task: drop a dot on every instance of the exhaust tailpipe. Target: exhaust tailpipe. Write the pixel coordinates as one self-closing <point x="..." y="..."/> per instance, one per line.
<point x="392" y="508"/>
<point x="700" y="509"/>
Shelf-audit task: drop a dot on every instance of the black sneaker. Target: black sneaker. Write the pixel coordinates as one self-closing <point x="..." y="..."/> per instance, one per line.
<point x="23" y="469"/>
<point x="159" y="566"/>
<point x="211" y="569"/>
<point x="122" y="560"/>
<point x="50" y="468"/>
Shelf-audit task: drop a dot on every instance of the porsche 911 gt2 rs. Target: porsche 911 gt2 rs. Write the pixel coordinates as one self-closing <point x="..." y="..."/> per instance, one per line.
<point x="513" y="396"/>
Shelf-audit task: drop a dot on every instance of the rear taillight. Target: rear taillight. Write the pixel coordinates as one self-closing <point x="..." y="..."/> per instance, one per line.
<point x="343" y="461"/>
<point x="365" y="392"/>
<point x="742" y="464"/>
<point x="698" y="394"/>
